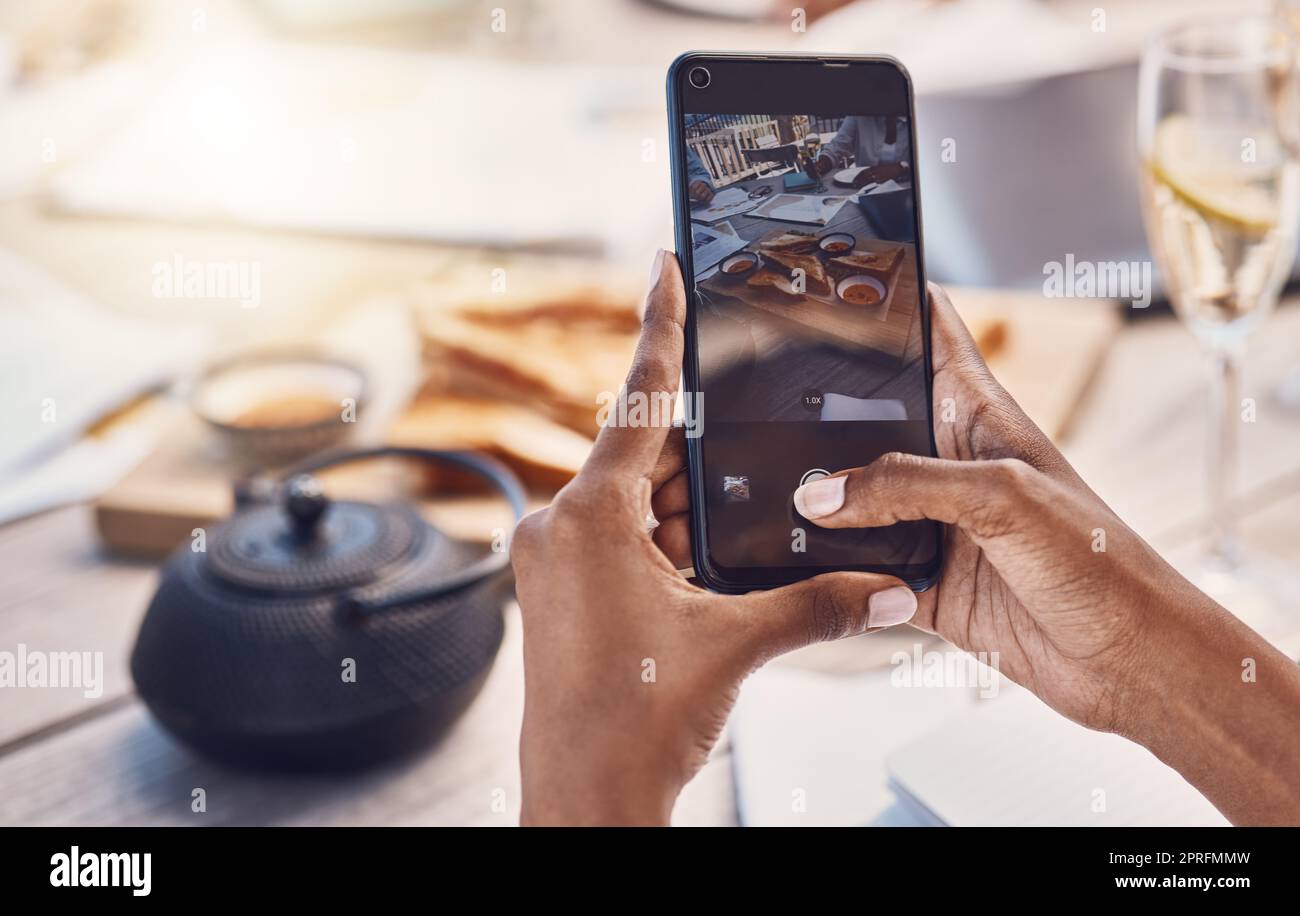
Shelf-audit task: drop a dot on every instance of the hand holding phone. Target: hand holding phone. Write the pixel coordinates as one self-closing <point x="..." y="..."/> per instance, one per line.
<point x="621" y="654"/>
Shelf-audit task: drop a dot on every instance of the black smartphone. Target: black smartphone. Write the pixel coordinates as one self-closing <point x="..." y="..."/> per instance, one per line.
<point x="798" y="227"/>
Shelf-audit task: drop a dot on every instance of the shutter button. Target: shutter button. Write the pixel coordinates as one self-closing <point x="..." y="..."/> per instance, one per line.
<point x="814" y="474"/>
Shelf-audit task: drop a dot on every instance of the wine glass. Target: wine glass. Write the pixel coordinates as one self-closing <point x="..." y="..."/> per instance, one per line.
<point x="1221" y="196"/>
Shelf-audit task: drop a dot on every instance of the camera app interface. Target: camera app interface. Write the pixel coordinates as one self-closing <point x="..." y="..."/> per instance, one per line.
<point x="809" y="327"/>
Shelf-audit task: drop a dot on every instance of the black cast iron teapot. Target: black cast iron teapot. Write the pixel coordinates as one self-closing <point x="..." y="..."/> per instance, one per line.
<point x="311" y="634"/>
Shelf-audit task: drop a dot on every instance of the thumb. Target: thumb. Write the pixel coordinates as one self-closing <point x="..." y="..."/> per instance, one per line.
<point x="984" y="498"/>
<point x="821" y="609"/>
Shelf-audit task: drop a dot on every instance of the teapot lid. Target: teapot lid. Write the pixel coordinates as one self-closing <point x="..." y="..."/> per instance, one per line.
<point x="304" y="542"/>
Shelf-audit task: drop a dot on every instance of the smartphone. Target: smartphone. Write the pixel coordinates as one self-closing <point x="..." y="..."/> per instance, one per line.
<point x="798" y="225"/>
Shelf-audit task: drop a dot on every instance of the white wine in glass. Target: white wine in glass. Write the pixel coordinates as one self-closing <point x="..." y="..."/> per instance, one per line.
<point x="1221" y="221"/>
<point x="1217" y="122"/>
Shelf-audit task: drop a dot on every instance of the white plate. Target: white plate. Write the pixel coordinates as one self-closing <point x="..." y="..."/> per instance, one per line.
<point x="846" y="176"/>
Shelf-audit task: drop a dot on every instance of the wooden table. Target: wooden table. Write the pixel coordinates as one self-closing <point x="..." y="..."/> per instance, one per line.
<point x="65" y="759"/>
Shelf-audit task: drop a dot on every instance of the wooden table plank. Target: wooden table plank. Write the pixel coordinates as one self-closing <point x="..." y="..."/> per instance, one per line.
<point x="62" y="594"/>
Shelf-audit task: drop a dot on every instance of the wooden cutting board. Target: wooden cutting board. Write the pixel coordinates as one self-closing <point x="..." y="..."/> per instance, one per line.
<point x="1049" y="349"/>
<point x="187" y="484"/>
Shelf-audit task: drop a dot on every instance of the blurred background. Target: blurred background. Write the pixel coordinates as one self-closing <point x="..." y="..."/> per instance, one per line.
<point x="221" y="219"/>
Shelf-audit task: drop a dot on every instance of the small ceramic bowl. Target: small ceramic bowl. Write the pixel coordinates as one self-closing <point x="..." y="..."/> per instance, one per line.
<point x="738" y="266"/>
<point x="272" y="408"/>
<point x="848" y="290"/>
<point x="836" y="243"/>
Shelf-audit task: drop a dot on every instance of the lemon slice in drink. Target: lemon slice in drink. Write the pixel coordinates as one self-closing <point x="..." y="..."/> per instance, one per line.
<point x="1217" y="187"/>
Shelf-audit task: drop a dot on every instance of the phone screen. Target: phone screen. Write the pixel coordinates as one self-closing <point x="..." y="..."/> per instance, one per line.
<point x="810" y="342"/>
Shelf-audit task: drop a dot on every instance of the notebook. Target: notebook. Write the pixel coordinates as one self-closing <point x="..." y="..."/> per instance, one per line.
<point x="797" y="181"/>
<point x="1013" y="761"/>
<point x="818" y="749"/>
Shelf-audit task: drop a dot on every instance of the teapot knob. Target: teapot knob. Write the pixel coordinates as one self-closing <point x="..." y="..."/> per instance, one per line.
<point x="306" y="503"/>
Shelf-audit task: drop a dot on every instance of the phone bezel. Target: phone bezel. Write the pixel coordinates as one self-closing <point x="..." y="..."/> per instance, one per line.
<point x="736" y="579"/>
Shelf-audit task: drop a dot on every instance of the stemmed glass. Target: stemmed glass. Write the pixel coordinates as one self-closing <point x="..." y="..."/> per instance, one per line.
<point x="1221" y="195"/>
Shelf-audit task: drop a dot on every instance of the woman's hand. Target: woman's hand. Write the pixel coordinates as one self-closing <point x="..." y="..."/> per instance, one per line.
<point x="700" y="191"/>
<point x="1037" y="568"/>
<point x="1079" y="608"/>
<point x="630" y="672"/>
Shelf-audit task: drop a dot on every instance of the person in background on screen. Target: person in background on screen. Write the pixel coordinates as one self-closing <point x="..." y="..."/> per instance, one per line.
<point x="878" y="142"/>
<point x="699" y="183"/>
<point x="630" y="671"/>
<point x="699" y="186"/>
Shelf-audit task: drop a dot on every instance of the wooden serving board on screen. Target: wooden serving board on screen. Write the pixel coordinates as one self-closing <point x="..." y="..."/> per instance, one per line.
<point x="884" y="327"/>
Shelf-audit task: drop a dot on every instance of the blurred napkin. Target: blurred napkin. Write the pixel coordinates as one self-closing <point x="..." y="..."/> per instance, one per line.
<point x="66" y="362"/>
<point x="392" y="144"/>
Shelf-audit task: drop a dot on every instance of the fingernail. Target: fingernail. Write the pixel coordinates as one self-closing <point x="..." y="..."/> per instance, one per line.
<point x="657" y="268"/>
<point x="893" y="605"/>
<point x="820" y="498"/>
